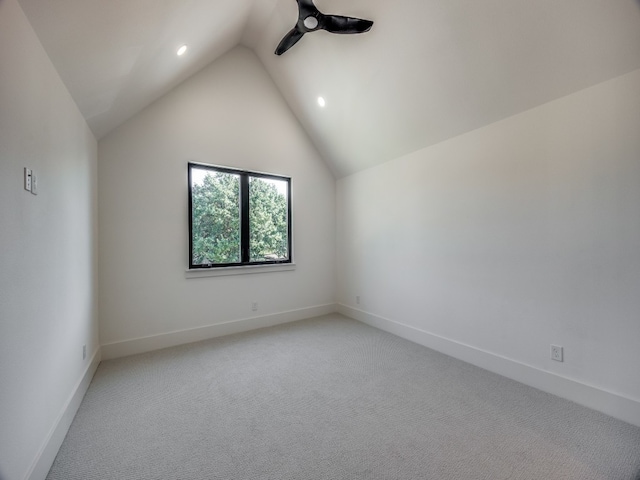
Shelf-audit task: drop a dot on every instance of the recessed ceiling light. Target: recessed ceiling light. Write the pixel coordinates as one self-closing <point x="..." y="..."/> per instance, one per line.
<point x="182" y="50"/>
<point x="321" y="101"/>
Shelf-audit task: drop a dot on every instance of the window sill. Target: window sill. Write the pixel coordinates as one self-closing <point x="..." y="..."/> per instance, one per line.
<point x="242" y="270"/>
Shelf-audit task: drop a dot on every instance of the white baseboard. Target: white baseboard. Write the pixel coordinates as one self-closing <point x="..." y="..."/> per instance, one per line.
<point x="172" y="339"/>
<point x="612" y="404"/>
<point x="47" y="453"/>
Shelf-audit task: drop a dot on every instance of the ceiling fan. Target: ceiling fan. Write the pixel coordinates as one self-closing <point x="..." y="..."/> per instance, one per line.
<point x="311" y="19"/>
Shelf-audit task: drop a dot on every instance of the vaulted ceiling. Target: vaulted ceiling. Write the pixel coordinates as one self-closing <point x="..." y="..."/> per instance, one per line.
<point x="427" y="71"/>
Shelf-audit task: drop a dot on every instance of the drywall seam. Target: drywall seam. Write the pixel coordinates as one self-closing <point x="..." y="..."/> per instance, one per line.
<point x="609" y="403"/>
<point x="49" y="449"/>
<point x="180" y="337"/>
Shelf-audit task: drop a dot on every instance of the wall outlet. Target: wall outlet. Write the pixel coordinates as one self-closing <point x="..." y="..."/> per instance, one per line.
<point x="557" y="353"/>
<point x="84" y="352"/>
<point x="357" y="299"/>
<point x="254" y="306"/>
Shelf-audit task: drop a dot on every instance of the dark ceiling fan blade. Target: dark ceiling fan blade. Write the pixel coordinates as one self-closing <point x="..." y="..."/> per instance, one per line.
<point x="339" y="24"/>
<point x="289" y="40"/>
<point x="310" y="19"/>
<point x="306" y="8"/>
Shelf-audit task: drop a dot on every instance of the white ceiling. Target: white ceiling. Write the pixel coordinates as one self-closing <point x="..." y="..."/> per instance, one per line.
<point x="428" y="70"/>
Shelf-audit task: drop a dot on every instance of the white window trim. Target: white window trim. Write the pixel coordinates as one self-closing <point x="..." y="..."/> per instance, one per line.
<point x="239" y="270"/>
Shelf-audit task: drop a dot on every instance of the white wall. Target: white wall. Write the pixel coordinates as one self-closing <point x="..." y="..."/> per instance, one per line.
<point x="47" y="252"/>
<point x="510" y="238"/>
<point x="228" y="114"/>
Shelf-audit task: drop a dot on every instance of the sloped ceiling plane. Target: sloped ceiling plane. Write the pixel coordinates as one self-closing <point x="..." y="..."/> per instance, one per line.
<point x="429" y="70"/>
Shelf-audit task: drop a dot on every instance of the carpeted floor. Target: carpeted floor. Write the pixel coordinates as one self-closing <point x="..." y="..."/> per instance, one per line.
<point x="330" y="398"/>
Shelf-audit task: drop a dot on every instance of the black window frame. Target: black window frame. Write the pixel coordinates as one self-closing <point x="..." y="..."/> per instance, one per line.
<point x="245" y="233"/>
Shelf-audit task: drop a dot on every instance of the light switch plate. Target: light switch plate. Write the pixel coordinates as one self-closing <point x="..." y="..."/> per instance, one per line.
<point x="34" y="183"/>
<point x="27" y="179"/>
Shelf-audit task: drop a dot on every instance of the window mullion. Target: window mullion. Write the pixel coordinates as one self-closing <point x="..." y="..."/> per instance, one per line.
<point x="244" y="217"/>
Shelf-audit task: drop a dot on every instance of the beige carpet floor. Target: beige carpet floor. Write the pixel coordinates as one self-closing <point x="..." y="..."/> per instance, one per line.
<point x="330" y="398"/>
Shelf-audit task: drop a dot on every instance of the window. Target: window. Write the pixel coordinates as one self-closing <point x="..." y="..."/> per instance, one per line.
<point x="238" y="217"/>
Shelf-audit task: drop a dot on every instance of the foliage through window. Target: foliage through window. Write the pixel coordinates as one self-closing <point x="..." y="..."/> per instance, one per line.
<point x="238" y="217"/>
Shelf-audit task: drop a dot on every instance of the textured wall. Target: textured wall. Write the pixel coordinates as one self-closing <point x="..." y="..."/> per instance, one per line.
<point x="47" y="245"/>
<point x="512" y="237"/>
<point x="229" y="114"/>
